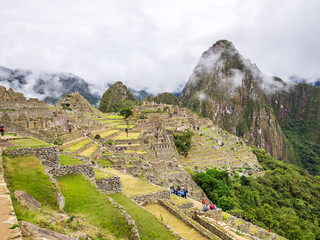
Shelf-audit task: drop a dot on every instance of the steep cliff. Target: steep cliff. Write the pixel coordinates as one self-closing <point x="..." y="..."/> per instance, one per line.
<point x="298" y="111"/>
<point x="116" y="97"/>
<point x="233" y="92"/>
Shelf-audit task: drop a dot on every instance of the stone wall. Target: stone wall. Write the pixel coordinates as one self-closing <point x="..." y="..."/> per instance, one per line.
<point x="214" y="229"/>
<point x="47" y="155"/>
<point x="245" y="229"/>
<point x="203" y="231"/>
<point x="214" y="214"/>
<point x="21" y="131"/>
<point x="152" y="197"/>
<point x="85" y="170"/>
<point x="110" y="185"/>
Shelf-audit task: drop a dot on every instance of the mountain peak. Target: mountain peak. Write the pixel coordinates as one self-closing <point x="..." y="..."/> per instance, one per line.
<point x="116" y="97"/>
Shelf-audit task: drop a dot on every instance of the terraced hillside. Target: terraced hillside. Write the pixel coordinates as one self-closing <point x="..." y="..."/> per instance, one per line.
<point x="213" y="147"/>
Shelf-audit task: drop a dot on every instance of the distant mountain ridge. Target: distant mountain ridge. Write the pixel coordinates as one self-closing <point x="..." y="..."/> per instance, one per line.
<point x="49" y="87"/>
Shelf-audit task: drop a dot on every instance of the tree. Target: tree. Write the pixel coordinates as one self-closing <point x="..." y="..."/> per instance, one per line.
<point x="126" y="113"/>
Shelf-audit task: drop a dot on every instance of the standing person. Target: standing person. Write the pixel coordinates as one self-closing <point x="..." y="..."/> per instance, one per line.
<point x="2" y="129"/>
<point x="185" y="193"/>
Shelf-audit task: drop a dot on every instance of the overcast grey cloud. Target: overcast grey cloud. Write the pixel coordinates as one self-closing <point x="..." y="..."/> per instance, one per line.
<point x="156" y="44"/>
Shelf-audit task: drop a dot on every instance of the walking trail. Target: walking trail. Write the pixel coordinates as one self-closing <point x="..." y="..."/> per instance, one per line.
<point x="7" y="217"/>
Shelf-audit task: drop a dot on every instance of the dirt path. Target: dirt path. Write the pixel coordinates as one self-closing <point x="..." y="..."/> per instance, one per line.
<point x="6" y="219"/>
<point x="196" y="203"/>
<point x="177" y="225"/>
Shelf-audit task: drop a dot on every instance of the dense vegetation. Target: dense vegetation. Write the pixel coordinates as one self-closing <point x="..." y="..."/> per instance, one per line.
<point x="183" y="142"/>
<point x="116" y="98"/>
<point x="285" y="198"/>
<point x="166" y="98"/>
<point x="305" y="143"/>
<point x="298" y="112"/>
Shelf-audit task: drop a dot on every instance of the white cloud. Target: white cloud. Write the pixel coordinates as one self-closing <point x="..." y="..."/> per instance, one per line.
<point x="156" y="44"/>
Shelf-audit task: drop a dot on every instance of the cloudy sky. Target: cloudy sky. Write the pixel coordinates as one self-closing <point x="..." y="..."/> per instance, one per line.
<point x="156" y="44"/>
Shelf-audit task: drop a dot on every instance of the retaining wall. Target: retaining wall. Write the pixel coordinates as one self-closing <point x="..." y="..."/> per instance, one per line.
<point x="214" y="229"/>
<point x="85" y="170"/>
<point x="47" y="155"/>
<point x="110" y="185"/>
<point x="152" y="197"/>
<point x="204" y="232"/>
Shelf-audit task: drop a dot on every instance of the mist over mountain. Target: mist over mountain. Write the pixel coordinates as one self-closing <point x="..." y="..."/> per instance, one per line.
<point x="313" y="82"/>
<point x="281" y="116"/>
<point x="49" y="87"/>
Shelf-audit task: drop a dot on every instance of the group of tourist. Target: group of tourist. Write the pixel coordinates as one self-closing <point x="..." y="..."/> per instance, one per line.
<point x="243" y="217"/>
<point x="179" y="191"/>
<point x="206" y="208"/>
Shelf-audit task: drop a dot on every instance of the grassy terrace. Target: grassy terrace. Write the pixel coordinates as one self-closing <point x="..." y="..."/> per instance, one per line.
<point x="82" y="199"/>
<point x="28" y="142"/>
<point x="178" y="201"/>
<point x="108" y="133"/>
<point x="123" y="136"/>
<point x="104" y="163"/>
<point x="177" y="225"/>
<point x="133" y="186"/>
<point x="89" y="151"/>
<point x="68" y="160"/>
<point x="123" y="125"/>
<point x="108" y="117"/>
<point x="26" y="173"/>
<point x="149" y="227"/>
<point x="77" y="146"/>
<point x="101" y="174"/>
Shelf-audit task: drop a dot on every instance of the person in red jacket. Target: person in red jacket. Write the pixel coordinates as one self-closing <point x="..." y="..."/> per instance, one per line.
<point x="2" y="129"/>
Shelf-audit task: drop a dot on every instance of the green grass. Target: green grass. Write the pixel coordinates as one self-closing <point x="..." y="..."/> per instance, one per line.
<point x="178" y="201"/>
<point x="68" y="160"/>
<point x="26" y="173"/>
<point x="109" y="117"/>
<point x="28" y="142"/>
<point x="149" y="227"/>
<point x="101" y="174"/>
<point x="190" y="170"/>
<point x="104" y="163"/>
<point x="108" y="133"/>
<point x="79" y="145"/>
<point x="133" y="186"/>
<point x="82" y="199"/>
<point x="123" y="135"/>
<point x="124" y="126"/>
<point x="89" y="151"/>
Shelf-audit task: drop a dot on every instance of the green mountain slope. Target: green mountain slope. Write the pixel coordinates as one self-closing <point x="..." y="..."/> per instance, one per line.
<point x="299" y="114"/>
<point x="116" y="97"/>
<point x="229" y="89"/>
<point x="166" y="98"/>
<point x="284" y="198"/>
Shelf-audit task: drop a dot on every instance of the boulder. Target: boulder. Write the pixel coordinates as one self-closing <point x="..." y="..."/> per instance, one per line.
<point x="27" y="200"/>
<point x="61" y="201"/>
<point x="37" y="233"/>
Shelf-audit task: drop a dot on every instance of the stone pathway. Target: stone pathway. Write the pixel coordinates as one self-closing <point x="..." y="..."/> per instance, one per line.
<point x="6" y="209"/>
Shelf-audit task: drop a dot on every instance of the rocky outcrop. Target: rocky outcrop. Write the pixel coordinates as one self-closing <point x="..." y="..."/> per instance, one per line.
<point x="37" y="233"/>
<point x="27" y="200"/>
